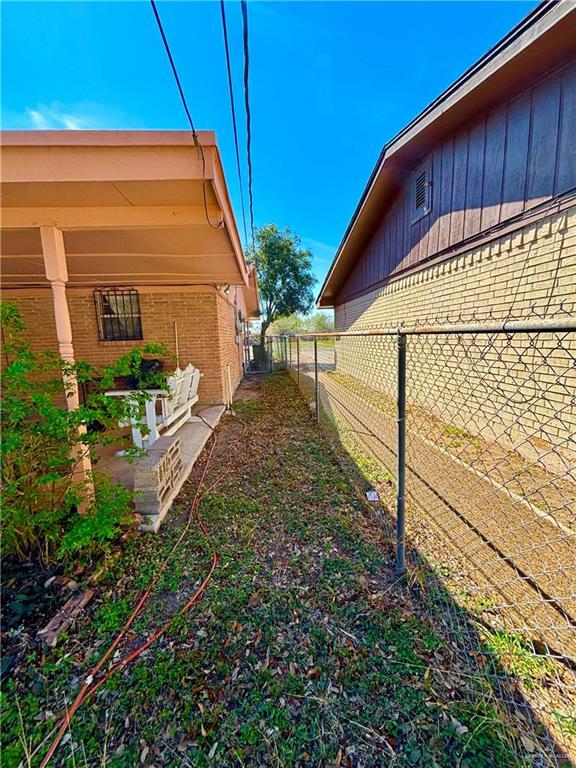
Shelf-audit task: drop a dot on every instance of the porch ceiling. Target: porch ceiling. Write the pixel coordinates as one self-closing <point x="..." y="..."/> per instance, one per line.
<point x="130" y="206"/>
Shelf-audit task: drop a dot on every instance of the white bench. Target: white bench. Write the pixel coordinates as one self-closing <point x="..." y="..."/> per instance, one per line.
<point x="175" y="403"/>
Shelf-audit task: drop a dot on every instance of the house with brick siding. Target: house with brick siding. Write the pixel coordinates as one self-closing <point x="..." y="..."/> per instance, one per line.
<point x="471" y="208"/>
<point x="470" y="215"/>
<point x="111" y="239"/>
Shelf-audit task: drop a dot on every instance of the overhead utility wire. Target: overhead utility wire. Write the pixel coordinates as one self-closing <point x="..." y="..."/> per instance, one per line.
<point x="197" y="143"/>
<point x="244" y="6"/>
<point x="233" y="108"/>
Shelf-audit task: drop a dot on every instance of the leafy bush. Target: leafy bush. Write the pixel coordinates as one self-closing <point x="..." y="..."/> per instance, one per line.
<point x="101" y="522"/>
<point x="48" y="511"/>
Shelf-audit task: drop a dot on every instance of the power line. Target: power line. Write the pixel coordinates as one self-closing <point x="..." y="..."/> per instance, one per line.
<point x="244" y="6"/>
<point x="233" y="108"/>
<point x="197" y="143"/>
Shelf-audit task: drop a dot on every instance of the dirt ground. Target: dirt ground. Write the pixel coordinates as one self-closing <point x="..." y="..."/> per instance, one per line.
<point x="306" y="649"/>
<point x="506" y="551"/>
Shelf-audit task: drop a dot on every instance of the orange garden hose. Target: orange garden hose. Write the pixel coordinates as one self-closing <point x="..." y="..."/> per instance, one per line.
<point x="90" y="687"/>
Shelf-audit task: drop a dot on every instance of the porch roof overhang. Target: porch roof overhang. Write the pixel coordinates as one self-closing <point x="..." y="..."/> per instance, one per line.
<point x="251" y="295"/>
<point x="135" y="208"/>
<point x="541" y="42"/>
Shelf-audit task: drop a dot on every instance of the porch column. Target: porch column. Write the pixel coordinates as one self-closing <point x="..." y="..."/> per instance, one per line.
<point x="57" y="274"/>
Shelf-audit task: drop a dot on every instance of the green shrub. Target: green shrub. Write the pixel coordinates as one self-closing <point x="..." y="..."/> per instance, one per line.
<point x="46" y="509"/>
<point x="102" y="521"/>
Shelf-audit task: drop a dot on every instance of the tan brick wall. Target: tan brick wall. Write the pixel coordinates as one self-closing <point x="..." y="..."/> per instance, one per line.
<point x="230" y="341"/>
<point x="524" y="384"/>
<point x="37" y="311"/>
<point x="204" y="338"/>
<point x="519" y="270"/>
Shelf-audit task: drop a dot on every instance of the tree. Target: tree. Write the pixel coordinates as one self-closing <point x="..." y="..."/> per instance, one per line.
<point x="319" y="322"/>
<point x="288" y="325"/>
<point x="316" y="322"/>
<point x="285" y="278"/>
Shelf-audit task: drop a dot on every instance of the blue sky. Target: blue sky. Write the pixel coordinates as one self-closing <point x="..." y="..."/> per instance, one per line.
<point x="330" y="83"/>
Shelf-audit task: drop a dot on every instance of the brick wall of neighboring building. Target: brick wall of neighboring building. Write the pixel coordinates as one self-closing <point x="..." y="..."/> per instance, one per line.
<point x="205" y="330"/>
<point x="520" y="269"/>
<point x="465" y="381"/>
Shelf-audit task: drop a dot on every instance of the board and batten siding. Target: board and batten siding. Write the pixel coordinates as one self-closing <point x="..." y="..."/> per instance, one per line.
<point x="507" y="162"/>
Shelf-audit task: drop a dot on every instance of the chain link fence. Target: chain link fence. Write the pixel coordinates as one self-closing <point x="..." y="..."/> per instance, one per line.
<point x="467" y="433"/>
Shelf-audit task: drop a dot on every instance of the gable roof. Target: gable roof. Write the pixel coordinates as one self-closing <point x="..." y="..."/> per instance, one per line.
<point x="541" y="42"/>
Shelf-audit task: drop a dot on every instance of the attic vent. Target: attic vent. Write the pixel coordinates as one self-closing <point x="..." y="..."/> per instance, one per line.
<point x="421" y="192"/>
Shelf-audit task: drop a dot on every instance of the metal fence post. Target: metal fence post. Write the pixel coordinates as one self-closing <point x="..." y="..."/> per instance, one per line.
<point x="285" y="352"/>
<point x="316" y="377"/>
<point x="290" y="354"/>
<point x="270" y="354"/>
<point x="401" y="457"/>
<point x="298" y="360"/>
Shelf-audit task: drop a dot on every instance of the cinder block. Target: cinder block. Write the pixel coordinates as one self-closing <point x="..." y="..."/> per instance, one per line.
<point x="156" y="475"/>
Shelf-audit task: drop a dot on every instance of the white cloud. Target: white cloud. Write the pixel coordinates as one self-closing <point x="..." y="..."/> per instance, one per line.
<point x="70" y="117"/>
<point x="321" y="251"/>
<point x="37" y="119"/>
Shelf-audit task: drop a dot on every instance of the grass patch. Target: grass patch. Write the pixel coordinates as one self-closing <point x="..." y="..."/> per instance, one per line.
<point x="305" y="650"/>
<point x="516" y="655"/>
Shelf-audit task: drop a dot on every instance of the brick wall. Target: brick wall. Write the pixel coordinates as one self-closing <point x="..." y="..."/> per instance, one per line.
<point x="230" y="341"/>
<point x="518" y="270"/>
<point x="525" y="383"/>
<point x="205" y="331"/>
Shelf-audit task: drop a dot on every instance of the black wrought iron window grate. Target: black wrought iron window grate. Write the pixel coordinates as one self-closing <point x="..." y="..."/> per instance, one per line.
<point x="118" y="314"/>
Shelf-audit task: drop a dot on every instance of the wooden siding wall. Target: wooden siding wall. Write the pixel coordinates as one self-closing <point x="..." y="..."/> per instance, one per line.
<point x="509" y="161"/>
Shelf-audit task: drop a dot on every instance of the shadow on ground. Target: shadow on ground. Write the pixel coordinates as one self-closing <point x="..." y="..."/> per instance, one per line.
<point x="306" y="649"/>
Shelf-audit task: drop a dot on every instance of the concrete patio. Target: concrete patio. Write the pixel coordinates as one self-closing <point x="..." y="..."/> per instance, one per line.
<point x="158" y="477"/>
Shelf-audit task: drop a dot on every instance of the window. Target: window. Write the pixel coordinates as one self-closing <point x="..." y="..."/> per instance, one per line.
<point x="421" y="192"/>
<point x="118" y="314"/>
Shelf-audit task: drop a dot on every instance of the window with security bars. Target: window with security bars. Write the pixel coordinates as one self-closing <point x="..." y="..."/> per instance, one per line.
<point x="118" y="313"/>
<point x="421" y="192"/>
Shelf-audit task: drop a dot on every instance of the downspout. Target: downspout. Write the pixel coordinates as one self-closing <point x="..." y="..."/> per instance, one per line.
<point x="176" y="344"/>
<point x="230" y="393"/>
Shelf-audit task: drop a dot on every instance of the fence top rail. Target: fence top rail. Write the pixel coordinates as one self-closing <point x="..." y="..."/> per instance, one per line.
<point x="505" y="326"/>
